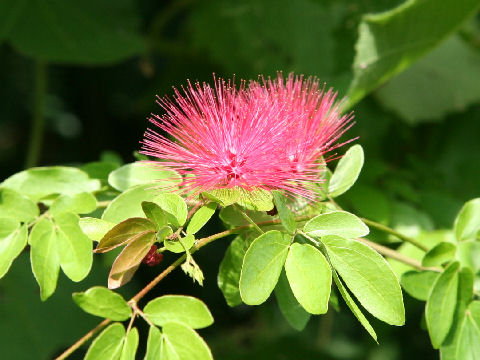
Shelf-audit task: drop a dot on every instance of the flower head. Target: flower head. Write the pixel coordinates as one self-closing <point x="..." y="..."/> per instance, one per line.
<point x="268" y="134"/>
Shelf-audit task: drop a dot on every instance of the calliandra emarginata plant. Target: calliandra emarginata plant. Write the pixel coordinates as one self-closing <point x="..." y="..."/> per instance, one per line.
<point x="259" y="153"/>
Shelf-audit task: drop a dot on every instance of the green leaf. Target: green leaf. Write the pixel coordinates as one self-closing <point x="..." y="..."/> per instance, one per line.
<point x="103" y="302"/>
<point x="107" y="345"/>
<point x="262" y="266"/>
<point x="37" y="183"/>
<point x="229" y="272"/>
<point x="340" y="223"/>
<point x="353" y="306"/>
<point x="180" y="245"/>
<point x="139" y="173"/>
<point x="384" y="48"/>
<point x="177" y="308"/>
<point x="130" y="345"/>
<point x="468" y="253"/>
<point x="17" y="206"/>
<point x="293" y="312"/>
<point x="13" y="239"/>
<point x="428" y="90"/>
<point x="232" y="216"/>
<point x="129" y="203"/>
<point x="418" y="284"/>
<point x="450" y="346"/>
<point x="286" y="216"/>
<point x="439" y="254"/>
<point x="185" y="342"/>
<point x="156" y="346"/>
<point x="442" y="300"/>
<point x="155" y="214"/>
<point x="310" y="277"/>
<point x="128" y="230"/>
<point x="129" y="259"/>
<point x="95" y="228"/>
<point x="44" y="257"/>
<point x="174" y="207"/>
<point x="347" y="171"/>
<point x="82" y="203"/>
<point x="257" y="199"/>
<point x="73" y="246"/>
<point x="469" y="338"/>
<point x="77" y="32"/>
<point x="467" y="223"/>
<point x="99" y="169"/>
<point x="201" y="217"/>
<point x="163" y="233"/>
<point x="368" y="276"/>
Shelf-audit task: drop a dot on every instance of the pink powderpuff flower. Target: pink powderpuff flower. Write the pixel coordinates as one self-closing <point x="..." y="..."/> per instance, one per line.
<point x="269" y="134"/>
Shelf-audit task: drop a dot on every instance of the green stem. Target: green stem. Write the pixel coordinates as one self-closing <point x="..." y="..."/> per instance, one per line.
<point x="38" y="119"/>
<point x="249" y="220"/>
<point x="388" y="230"/>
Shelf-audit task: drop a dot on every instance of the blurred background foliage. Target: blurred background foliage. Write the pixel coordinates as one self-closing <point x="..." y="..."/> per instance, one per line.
<point x="91" y="69"/>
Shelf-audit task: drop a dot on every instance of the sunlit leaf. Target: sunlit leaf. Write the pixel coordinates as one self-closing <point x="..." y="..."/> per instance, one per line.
<point x="339" y="223"/>
<point x="180" y="245"/>
<point x="174" y="207"/>
<point x="309" y="276"/>
<point x="73" y="246"/>
<point x="185" y="342"/>
<point x="129" y="203"/>
<point x="95" y="228"/>
<point x="418" y="284"/>
<point x="17" y="206"/>
<point x="347" y="171"/>
<point x="255" y="199"/>
<point x="201" y="217"/>
<point x="368" y="276"/>
<point x="44" y="257"/>
<point x="262" y="265"/>
<point x="82" y="203"/>
<point x="155" y="214"/>
<point x="13" y="239"/>
<point x="138" y="173"/>
<point x="177" y="308"/>
<point x="439" y="254"/>
<point x="130" y="345"/>
<point x="37" y="183"/>
<point x="107" y="345"/>
<point x="450" y="346"/>
<point x="467" y="223"/>
<point x="442" y="300"/>
<point x="103" y="302"/>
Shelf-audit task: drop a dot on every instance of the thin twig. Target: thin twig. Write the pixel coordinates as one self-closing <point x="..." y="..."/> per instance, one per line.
<point x="397" y="256"/>
<point x="83" y="339"/>
<point x="395" y="233"/>
<point x="249" y="220"/>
